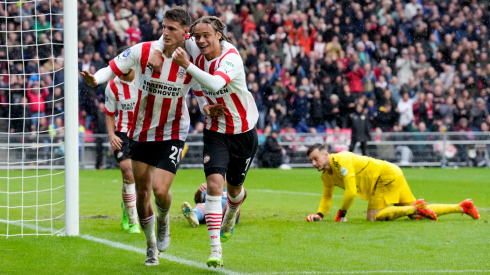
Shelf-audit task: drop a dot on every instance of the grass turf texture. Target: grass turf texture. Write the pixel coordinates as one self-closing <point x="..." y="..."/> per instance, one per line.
<point x="272" y="235"/>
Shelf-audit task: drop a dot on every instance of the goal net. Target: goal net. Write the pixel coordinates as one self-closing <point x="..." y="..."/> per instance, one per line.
<point x="32" y="118"/>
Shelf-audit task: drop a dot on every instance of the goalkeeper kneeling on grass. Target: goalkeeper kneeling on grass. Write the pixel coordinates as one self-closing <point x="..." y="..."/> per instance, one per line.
<point x="377" y="181"/>
<point x="195" y="216"/>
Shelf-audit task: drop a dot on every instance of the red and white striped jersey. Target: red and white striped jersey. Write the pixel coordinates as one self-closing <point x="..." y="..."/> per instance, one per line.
<point x="241" y="114"/>
<point x="161" y="111"/>
<point x="120" y="99"/>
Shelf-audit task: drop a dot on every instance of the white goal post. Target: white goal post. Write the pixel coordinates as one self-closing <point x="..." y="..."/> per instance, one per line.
<point x="39" y="152"/>
<point x="70" y="16"/>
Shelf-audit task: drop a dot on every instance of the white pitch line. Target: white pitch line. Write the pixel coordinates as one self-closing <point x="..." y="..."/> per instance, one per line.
<point x="373" y="271"/>
<point x="133" y="249"/>
<point x="290" y="192"/>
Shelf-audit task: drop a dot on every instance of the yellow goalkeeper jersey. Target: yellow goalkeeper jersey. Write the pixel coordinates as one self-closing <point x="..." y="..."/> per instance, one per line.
<point x="357" y="175"/>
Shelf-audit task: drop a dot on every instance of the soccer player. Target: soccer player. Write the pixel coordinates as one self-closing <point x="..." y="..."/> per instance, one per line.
<point x="160" y="125"/>
<point x="195" y="216"/>
<point x="380" y="182"/>
<point x="121" y="95"/>
<point x="230" y="136"/>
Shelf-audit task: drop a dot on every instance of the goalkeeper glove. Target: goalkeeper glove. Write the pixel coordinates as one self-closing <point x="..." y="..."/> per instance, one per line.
<point x="314" y="217"/>
<point x="341" y="216"/>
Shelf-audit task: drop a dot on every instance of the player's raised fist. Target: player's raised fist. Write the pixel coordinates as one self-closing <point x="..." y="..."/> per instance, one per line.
<point x="313" y="218"/>
<point x="341" y="216"/>
<point x="180" y="57"/>
<point x="89" y="79"/>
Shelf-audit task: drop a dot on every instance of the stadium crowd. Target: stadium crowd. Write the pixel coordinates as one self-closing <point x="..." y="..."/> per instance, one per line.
<point x="408" y="64"/>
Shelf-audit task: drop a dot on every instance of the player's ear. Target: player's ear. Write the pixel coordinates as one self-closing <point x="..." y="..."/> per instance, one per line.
<point x="219" y="35"/>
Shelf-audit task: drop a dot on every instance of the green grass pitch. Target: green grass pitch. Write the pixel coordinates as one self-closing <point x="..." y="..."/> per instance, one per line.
<point x="272" y="236"/>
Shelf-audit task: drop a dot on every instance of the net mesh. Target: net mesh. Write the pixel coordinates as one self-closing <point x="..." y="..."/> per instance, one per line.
<point x="31" y="118"/>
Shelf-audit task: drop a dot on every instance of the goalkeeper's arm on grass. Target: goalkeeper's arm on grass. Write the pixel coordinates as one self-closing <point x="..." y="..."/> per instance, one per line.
<point x="325" y="204"/>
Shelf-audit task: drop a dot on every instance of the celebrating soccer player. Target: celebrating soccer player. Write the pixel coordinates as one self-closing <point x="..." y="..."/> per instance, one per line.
<point x="160" y="126"/>
<point x="121" y="95"/>
<point x="230" y="136"/>
<point x="380" y="182"/>
<point x="195" y="216"/>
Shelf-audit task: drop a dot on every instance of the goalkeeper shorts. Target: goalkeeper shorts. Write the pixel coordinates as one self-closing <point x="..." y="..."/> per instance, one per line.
<point x="391" y="188"/>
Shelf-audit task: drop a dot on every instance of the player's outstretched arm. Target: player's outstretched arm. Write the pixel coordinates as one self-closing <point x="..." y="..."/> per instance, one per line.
<point x="89" y="79"/>
<point x="211" y="82"/>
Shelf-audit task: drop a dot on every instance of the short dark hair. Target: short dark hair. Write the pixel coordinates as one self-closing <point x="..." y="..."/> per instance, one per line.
<point x="121" y="50"/>
<point x="318" y="146"/>
<point x="179" y="15"/>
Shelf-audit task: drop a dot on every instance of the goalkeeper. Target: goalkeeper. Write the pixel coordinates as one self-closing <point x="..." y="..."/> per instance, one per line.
<point x="377" y="181"/>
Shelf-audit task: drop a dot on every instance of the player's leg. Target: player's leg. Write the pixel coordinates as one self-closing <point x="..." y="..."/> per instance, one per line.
<point x="167" y="163"/>
<point x="122" y="157"/>
<point x="391" y="188"/>
<point x="466" y="207"/>
<point x="237" y="172"/>
<point x="163" y="200"/>
<point x="215" y="178"/>
<point x="129" y="196"/>
<point x="143" y="176"/>
<point x="193" y="216"/>
<point x="216" y="159"/>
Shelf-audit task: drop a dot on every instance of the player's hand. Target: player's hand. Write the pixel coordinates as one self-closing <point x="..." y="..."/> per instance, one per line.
<point x="89" y="79"/>
<point x="214" y="110"/>
<point x="203" y="187"/>
<point x="341" y="216"/>
<point x="180" y="57"/>
<point x="115" y="142"/>
<point x="156" y="61"/>
<point x="314" y="218"/>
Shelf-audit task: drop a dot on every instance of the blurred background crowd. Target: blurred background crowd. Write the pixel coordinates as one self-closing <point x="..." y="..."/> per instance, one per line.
<point x="312" y="66"/>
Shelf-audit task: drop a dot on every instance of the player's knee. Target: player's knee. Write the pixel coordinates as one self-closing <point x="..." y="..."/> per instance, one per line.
<point x="161" y="191"/>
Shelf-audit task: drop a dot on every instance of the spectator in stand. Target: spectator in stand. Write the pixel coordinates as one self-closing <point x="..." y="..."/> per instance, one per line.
<point x="37" y="96"/>
<point x="347" y="105"/>
<point x="355" y="80"/>
<point x="405" y="66"/>
<point x="385" y="117"/>
<point x="133" y="34"/>
<point x="478" y="113"/>
<point x="368" y="81"/>
<point x="316" y="110"/>
<point x="273" y="153"/>
<point x="359" y="123"/>
<point x="405" y="108"/>
<point x="17" y="112"/>
<point x="332" y="112"/>
<point x="299" y="108"/>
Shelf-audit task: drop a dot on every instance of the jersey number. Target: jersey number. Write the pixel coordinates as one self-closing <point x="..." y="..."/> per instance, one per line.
<point x="177" y="152"/>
